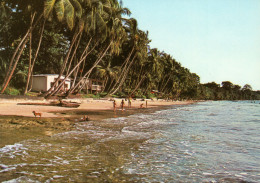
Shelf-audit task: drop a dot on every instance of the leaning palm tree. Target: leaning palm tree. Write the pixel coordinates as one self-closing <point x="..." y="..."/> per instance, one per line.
<point x="107" y="28"/>
<point x="68" y="12"/>
<point x="131" y="28"/>
<point x="106" y="72"/>
<point x="99" y="25"/>
<point x="65" y="10"/>
<point x="26" y="7"/>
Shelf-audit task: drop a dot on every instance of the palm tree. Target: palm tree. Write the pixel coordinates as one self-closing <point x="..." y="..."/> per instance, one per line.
<point x="106" y="27"/>
<point x="16" y="56"/>
<point x="106" y="72"/>
<point x="63" y="9"/>
<point x="98" y="26"/>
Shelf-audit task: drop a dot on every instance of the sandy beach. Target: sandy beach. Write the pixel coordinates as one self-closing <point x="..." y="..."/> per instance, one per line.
<point x="14" y="108"/>
<point x="17" y="122"/>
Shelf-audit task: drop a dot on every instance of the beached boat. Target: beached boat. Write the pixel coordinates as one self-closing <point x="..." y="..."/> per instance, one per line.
<point x="69" y="104"/>
<point x="61" y="103"/>
<point x="31" y="103"/>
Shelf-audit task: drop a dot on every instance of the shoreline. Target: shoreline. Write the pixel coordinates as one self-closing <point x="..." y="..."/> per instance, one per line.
<point x="17" y="122"/>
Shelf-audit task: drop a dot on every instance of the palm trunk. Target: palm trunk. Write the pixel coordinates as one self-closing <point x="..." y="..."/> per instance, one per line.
<point x="13" y="58"/>
<point x="124" y="65"/>
<point x="90" y="70"/>
<point x="16" y="57"/>
<point x="111" y="84"/>
<point x="75" y="75"/>
<point x="50" y="91"/>
<point x="162" y="83"/>
<point x="30" y="63"/>
<point x="138" y="78"/>
<point x="105" y="84"/>
<point x="83" y="57"/>
<point x="30" y="60"/>
<point x="124" y="76"/>
<point x="16" y="51"/>
<point x="14" y="67"/>
<point x="74" y="53"/>
<point x="75" y="67"/>
<point x="162" y="89"/>
<point x="138" y="85"/>
<point x="36" y="54"/>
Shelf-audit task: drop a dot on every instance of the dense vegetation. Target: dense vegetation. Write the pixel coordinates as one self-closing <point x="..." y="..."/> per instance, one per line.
<point x="94" y="39"/>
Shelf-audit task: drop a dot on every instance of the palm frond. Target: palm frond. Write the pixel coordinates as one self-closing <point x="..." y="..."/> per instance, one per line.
<point x="48" y="7"/>
<point x="69" y="13"/>
<point x="78" y="8"/>
<point x="60" y="10"/>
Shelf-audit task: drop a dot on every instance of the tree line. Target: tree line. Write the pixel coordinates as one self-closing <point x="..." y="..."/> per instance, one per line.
<point x="94" y="39"/>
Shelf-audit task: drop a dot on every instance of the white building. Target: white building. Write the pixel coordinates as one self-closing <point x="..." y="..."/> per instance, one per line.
<point x="43" y="82"/>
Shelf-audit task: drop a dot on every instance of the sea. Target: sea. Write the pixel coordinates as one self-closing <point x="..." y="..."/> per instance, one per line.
<point x="213" y="141"/>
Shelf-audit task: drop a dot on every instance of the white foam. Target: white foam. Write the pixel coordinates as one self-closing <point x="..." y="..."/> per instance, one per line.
<point x="21" y="179"/>
<point x="12" y="148"/>
<point x="57" y="176"/>
<point x="12" y="151"/>
<point x="206" y="173"/>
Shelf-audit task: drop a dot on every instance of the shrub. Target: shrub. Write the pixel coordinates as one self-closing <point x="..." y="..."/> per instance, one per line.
<point x="115" y="96"/>
<point x="12" y="91"/>
<point x="103" y="94"/>
<point x="121" y="94"/>
<point x="32" y="94"/>
<point x="151" y="95"/>
<point x="91" y="96"/>
<point x="88" y="96"/>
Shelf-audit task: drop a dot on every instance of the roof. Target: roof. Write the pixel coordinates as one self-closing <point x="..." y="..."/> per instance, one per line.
<point x="45" y="75"/>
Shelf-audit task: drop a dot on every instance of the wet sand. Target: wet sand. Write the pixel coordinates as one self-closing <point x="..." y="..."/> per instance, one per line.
<point x="17" y="122"/>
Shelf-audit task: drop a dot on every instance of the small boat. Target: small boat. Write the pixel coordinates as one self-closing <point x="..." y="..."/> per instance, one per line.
<point x="69" y="104"/>
<point x="29" y="103"/>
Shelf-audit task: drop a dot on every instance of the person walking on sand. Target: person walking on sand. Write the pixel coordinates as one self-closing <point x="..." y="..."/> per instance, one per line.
<point x="122" y="104"/>
<point x="114" y="105"/>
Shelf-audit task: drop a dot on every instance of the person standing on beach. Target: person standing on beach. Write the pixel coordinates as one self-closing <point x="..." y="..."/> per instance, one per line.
<point x="129" y="102"/>
<point x="146" y="102"/>
<point x="122" y="104"/>
<point x="114" y="105"/>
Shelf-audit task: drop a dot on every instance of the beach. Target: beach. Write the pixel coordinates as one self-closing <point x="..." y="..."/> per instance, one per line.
<point x="16" y="107"/>
<point x="212" y="141"/>
<point x="17" y="121"/>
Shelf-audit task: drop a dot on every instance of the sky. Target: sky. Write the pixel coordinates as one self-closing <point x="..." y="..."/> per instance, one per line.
<point x="217" y="39"/>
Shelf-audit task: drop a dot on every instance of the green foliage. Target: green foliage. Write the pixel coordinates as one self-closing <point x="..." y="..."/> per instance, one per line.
<point x="32" y="94"/>
<point x="91" y="96"/>
<point x="121" y="94"/>
<point x="129" y="67"/>
<point x="12" y="91"/>
<point x="139" y="94"/>
<point x="103" y="94"/>
<point x="115" y="96"/>
<point x="150" y="96"/>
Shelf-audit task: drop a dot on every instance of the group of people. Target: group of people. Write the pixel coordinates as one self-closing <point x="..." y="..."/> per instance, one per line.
<point x="122" y="104"/>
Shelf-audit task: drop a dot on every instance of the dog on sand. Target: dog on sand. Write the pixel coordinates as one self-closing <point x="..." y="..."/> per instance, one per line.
<point x="37" y="114"/>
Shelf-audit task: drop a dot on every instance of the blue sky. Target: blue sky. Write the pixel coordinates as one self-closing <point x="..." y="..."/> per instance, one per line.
<point x="217" y="39"/>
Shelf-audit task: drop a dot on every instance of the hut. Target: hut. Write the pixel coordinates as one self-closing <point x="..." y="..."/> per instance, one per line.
<point x="43" y="82"/>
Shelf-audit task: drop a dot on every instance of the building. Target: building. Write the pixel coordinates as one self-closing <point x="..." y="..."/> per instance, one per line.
<point x="92" y="85"/>
<point x="43" y="82"/>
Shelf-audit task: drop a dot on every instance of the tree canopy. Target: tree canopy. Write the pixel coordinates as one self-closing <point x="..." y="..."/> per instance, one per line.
<point x="95" y="39"/>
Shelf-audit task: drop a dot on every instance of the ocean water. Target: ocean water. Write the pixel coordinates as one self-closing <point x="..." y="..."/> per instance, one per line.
<point x="204" y="142"/>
